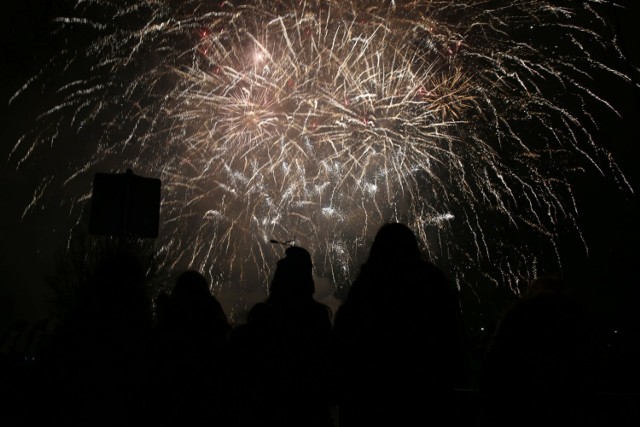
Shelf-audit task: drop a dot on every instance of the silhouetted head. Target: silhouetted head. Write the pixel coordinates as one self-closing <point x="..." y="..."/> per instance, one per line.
<point x="192" y="303"/>
<point x="191" y="285"/>
<point x="394" y="243"/>
<point x="293" y="276"/>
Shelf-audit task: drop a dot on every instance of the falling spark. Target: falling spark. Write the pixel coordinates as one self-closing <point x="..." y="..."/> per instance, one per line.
<point x="324" y="119"/>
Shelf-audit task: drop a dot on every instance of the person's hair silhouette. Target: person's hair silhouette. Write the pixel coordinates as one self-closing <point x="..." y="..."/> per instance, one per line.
<point x="193" y="308"/>
<point x="293" y="277"/>
<point x="397" y="337"/>
<point x="394" y="244"/>
<point x="187" y="359"/>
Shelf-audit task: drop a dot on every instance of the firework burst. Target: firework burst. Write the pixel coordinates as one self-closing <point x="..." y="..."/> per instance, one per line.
<point x="320" y="120"/>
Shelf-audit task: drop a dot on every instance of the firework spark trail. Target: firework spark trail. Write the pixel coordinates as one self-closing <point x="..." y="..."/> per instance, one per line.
<point x="321" y="119"/>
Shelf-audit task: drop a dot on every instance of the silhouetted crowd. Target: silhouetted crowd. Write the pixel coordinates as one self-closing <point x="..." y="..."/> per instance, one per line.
<point x="394" y="354"/>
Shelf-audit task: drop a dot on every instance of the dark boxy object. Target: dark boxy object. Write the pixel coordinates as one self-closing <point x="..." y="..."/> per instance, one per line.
<point x="125" y="205"/>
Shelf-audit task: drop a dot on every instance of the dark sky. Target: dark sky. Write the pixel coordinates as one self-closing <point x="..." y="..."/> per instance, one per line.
<point x="608" y="278"/>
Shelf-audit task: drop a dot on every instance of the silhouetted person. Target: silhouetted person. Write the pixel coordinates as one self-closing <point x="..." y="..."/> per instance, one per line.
<point x="278" y="354"/>
<point x="187" y="357"/>
<point x="95" y="355"/>
<point x="398" y="338"/>
<point x="541" y="364"/>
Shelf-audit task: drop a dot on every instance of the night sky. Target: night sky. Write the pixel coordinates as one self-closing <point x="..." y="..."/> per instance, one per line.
<point x="607" y="279"/>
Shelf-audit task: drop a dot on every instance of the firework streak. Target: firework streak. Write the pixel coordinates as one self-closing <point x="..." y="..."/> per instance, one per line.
<point x="320" y="120"/>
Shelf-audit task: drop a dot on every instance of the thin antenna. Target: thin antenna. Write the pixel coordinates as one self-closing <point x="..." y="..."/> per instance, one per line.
<point x="287" y="243"/>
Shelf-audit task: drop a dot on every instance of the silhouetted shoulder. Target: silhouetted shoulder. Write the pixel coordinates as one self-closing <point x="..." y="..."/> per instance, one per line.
<point x="186" y="384"/>
<point x="397" y="337"/>
<point x="278" y="354"/>
<point x="543" y="346"/>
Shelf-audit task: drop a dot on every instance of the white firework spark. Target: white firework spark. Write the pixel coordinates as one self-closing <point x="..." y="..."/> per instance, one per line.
<point x="320" y="120"/>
